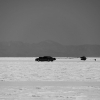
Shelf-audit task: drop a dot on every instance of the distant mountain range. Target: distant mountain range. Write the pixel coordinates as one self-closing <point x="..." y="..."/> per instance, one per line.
<point x="47" y="48"/>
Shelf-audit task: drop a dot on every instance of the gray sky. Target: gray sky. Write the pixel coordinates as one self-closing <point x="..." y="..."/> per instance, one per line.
<point x="64" y="21"/>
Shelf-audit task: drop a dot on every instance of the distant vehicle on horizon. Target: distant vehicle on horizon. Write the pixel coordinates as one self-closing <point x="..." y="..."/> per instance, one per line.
<point x="83" y="58"/>
<point x="45" y="58"/>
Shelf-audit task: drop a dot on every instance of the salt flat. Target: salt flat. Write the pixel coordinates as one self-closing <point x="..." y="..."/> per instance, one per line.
<point x="49" y="93"/>
<point x="27" y="69"/>
<point x="63" y="79"/>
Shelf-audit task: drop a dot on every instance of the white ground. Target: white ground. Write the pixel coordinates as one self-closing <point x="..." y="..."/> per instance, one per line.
<point x="27" y="69"/>
<point x="57" y="74"/>
<point x="49" y="93"/>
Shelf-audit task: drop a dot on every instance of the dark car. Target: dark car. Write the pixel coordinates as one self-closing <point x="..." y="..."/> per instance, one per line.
<point x="83" y="58"/>
<point x="45" y="58"/>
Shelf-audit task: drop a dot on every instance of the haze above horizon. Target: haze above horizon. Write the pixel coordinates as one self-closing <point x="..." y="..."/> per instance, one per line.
<point x="68" y="22"/>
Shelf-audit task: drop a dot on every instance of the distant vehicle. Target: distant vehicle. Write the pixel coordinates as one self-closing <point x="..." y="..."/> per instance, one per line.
<point x="45" y="58"/>
<point x="83" y="58"/>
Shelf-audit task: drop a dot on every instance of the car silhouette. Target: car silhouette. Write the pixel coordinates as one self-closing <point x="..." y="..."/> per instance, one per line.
<point x="83" y="58"/>
<point x="45" y="58"/>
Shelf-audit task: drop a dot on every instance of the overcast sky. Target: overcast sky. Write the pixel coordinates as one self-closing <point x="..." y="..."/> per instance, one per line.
<point x="65" y="21"/>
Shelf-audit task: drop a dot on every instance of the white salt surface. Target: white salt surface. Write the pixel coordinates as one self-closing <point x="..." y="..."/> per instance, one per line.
<point x="27" y="69"/>
<point x="49" y="93"/>
<point x="63" y="79"/>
